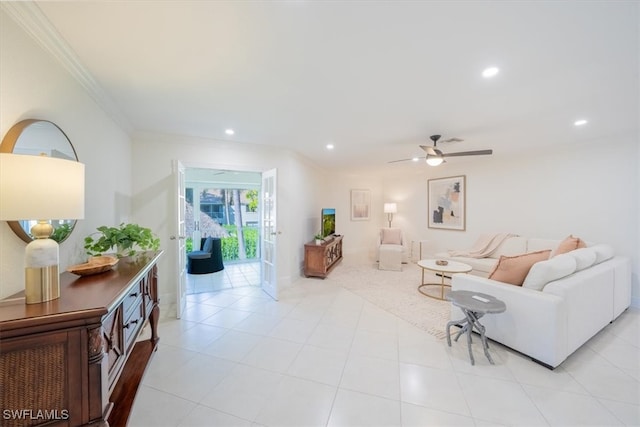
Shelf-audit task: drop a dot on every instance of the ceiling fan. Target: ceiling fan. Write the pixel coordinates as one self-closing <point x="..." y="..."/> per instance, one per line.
<point x="435" y="156"/>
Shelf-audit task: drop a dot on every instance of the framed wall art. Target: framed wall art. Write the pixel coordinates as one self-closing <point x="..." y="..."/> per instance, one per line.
<point x="447" y="203"/>
<point x="360" y="205"/>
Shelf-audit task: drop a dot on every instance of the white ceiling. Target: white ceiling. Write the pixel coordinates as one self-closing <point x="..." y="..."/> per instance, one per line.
<point x="375" y="78"/>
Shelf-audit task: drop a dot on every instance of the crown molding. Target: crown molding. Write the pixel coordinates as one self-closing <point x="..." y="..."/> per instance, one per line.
<point x="33" y="21"/>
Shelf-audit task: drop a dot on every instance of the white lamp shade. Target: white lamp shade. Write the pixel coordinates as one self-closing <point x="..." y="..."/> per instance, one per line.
<point x="390" y="208"/>
<point x="40" y="187"/>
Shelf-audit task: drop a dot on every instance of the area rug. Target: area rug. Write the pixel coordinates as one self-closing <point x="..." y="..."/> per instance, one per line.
<point x="397" y="293"/>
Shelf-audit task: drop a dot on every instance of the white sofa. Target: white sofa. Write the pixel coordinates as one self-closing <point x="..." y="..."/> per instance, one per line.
<point x="574" y="303"/>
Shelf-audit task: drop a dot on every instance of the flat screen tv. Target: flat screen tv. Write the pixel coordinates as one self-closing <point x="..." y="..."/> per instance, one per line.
<point x="328" y="222"/>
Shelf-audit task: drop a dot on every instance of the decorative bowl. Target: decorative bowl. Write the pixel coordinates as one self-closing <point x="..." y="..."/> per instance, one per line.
<point x="442" y="262"/>
<point x="95" y="265"/>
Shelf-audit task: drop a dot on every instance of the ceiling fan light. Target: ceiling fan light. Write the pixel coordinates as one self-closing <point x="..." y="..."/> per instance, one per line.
<point x="490" y="72"/>
<point x="434" y="160"/>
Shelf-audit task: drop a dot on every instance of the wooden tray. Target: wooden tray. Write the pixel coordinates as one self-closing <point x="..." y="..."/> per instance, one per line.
<point x="96" y="265"/>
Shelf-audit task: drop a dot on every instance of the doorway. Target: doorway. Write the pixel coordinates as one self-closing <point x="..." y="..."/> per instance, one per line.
<point x="224" y="204"/>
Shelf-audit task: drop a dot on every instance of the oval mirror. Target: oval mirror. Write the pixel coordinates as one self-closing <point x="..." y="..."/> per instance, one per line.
<point x="39" y="137"/>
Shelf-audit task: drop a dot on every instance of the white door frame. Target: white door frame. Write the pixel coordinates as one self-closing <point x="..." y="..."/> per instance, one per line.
<point x="180" y="238"/>
<point x="269" y="235"/>
<point x="186" y="165"/>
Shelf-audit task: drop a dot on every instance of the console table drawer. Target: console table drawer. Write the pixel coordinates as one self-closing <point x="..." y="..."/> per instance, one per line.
<point x="133" y="297"/>
<point x="132" y="324"/>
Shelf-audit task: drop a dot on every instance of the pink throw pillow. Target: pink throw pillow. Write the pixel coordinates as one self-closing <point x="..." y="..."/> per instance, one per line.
<point x="514" y="269"/>
<point x="391" y="236"/>
<point x="569" y="244"/>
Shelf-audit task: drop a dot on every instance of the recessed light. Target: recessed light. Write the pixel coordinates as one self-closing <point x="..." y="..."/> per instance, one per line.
<point x="490" y="72"/>
<point x="415" y="159"/>
<point x="229" y="131"/>
<point x="580" y="122"/>
<point x="329" y="146"/>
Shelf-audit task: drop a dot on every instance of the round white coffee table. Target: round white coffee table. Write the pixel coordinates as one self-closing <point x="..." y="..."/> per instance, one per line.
<point x="452" y="267"/>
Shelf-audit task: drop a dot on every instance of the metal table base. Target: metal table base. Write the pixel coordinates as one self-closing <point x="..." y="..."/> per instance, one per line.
<point x="473" y="310"/>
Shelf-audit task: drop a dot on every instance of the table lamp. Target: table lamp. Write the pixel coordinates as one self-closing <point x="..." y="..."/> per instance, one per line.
<point x="390" y="209"/>
<point x="41" y="188"/>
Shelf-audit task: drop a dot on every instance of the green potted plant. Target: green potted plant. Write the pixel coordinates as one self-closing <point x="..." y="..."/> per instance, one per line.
<point x="319" y="239"/>
<point x="125" y="238"/>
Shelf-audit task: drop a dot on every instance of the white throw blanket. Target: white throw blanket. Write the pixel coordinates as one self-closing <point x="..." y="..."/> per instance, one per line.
<point x="484" y="246"/>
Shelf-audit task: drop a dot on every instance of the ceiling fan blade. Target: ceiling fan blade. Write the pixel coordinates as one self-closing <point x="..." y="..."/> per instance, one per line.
<point x="469" y="153"/>
<point x="452" y="140"/>
<point x="429" y="149"/>
<point x="402" y="160"/>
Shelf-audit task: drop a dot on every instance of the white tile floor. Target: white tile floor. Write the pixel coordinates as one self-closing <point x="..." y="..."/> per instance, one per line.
<point x="323" y="356"/>
<point x="233" y="275"/>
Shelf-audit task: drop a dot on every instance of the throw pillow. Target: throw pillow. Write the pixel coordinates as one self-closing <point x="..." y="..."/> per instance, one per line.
<point x="391" y="236"/>
<point x="514" y="269"/>
<point x="569" y="244"/>
<point x="603" y="252"/>
<point x="585" y="257"/>
<point x="547" y="271"/>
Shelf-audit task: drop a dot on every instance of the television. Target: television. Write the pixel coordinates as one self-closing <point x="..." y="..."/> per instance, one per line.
<point x="328" y="222"/>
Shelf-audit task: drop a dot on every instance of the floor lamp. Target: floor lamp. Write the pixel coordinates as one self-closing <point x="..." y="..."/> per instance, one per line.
<point x="390" y="209"/>
<point x="41" y="188"/>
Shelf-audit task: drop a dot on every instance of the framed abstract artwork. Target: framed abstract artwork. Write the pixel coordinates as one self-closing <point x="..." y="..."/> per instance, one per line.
<point x="447" y="203"/>
<point x="360" y="205"/>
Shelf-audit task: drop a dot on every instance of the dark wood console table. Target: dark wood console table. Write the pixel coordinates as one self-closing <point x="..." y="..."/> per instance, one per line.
<point x="319" y="260"/>
<point x="77" y="360"/>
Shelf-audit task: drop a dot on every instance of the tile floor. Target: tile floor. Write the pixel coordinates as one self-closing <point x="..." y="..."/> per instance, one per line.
<point x="234" y="275"/>
<point x="323" y="356"/>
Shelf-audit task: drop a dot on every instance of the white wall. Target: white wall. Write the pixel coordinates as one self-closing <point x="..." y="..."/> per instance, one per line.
<point x="299" y="186"/>
<point x="590" y="191"/>
<point x="359" y="243"/>
<point x="35" y="85"/>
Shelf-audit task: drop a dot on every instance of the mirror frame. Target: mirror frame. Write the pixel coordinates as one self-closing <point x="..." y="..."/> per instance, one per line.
<point x="7" y="146"/>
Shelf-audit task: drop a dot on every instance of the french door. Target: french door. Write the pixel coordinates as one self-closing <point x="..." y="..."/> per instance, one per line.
<point x="180" y="238"/>
<point x="269" y="237"/>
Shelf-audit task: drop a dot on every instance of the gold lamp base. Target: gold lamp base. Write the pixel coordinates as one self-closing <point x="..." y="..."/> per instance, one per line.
<point x="41" y="276"/>
<point x="41" y="284"/>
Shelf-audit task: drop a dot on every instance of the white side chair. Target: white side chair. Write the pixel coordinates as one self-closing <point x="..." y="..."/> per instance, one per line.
<point x="391" y="250"/>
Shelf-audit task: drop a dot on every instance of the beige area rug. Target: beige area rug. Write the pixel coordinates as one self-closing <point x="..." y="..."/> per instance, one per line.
<point x="397" y="293"/>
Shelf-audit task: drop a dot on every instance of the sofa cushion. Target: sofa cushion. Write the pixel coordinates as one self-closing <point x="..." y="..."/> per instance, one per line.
<point x="585" y="257"/>
<point x="483" y="265"/>
<point x="603" y="252"/>
<point x="391" y="236"/>
<point x="514" y="269"/>
<point x="549" y="270"/>
<point x="534" y="245"/>
<point x="510" y="247"/>
<point x="569" y="244"/>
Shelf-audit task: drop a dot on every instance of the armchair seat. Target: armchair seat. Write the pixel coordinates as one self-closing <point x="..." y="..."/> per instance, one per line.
<point x="391" y="250"/>
<point x="390" y="257"/>
<point x="207" y="260"/>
